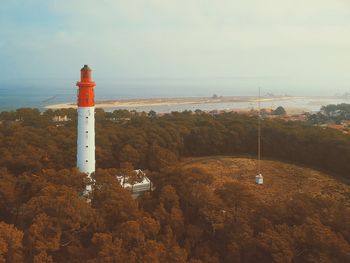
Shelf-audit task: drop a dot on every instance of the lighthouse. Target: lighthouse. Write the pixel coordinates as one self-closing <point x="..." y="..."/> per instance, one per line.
<point x="86" y="123"/>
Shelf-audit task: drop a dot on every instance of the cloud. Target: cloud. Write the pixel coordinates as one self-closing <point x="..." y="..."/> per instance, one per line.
<point x="178" y="38"/>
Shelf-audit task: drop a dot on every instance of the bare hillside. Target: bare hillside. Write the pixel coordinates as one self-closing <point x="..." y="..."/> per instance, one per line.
<point x="281" y="180"/>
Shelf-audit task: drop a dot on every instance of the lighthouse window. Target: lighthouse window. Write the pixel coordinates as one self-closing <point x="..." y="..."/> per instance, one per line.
<point x="86" y="131"/>
<point x="86" y="146"/>
<point x="86" y="117"/>
<point x="86" y="161"/>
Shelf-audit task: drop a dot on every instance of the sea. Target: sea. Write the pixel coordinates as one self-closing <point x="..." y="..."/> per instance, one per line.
<point x="39" y="94"/>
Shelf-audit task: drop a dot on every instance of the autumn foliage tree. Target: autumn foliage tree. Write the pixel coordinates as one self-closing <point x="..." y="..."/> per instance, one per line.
<point x="10" y="243"/>
<point x="44" y="216"/>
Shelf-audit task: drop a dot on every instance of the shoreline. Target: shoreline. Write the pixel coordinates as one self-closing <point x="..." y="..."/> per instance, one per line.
<point x="294" y="105"/>
<point x="136" y="103"/>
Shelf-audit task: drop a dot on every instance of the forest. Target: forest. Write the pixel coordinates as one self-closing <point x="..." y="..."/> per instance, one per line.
<point x="335" y="113"/>
<point x="44" y="217"/>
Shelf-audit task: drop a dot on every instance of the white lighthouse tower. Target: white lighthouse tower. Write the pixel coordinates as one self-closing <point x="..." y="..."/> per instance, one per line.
<point x="86" y="124"/>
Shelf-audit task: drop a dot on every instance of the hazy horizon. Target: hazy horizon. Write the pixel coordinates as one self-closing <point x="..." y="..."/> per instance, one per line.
<point x="183" y="87"/>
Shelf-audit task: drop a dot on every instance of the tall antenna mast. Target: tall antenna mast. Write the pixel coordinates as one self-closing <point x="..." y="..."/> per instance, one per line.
<point x="259" y="179"/>
<point x="259" y="132"/>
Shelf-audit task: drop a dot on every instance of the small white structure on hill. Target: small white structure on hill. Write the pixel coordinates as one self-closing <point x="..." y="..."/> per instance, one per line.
<point x="140" y="186"/>
<point x="259" y="179"/>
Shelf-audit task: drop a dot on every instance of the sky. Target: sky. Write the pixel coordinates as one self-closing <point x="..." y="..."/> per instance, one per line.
<point x="287" y="45"/>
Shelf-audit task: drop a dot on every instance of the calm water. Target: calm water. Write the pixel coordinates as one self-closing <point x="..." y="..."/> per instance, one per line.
<point x="39" y="95"/>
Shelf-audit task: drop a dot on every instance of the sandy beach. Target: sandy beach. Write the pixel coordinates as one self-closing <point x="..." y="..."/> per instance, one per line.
<point x="136" y="103"/>
<point x="292" y="104"/>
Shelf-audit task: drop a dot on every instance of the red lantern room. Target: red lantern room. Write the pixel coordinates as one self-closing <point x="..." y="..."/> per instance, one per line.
<point x="86" y="94"/>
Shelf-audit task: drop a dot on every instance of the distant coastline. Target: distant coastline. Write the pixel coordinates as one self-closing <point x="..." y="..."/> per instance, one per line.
<point x="131" y="103"/>
<point x="292" y="104"/>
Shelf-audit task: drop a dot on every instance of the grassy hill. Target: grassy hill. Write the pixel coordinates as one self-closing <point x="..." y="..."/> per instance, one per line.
<point x="281" y="180"/>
